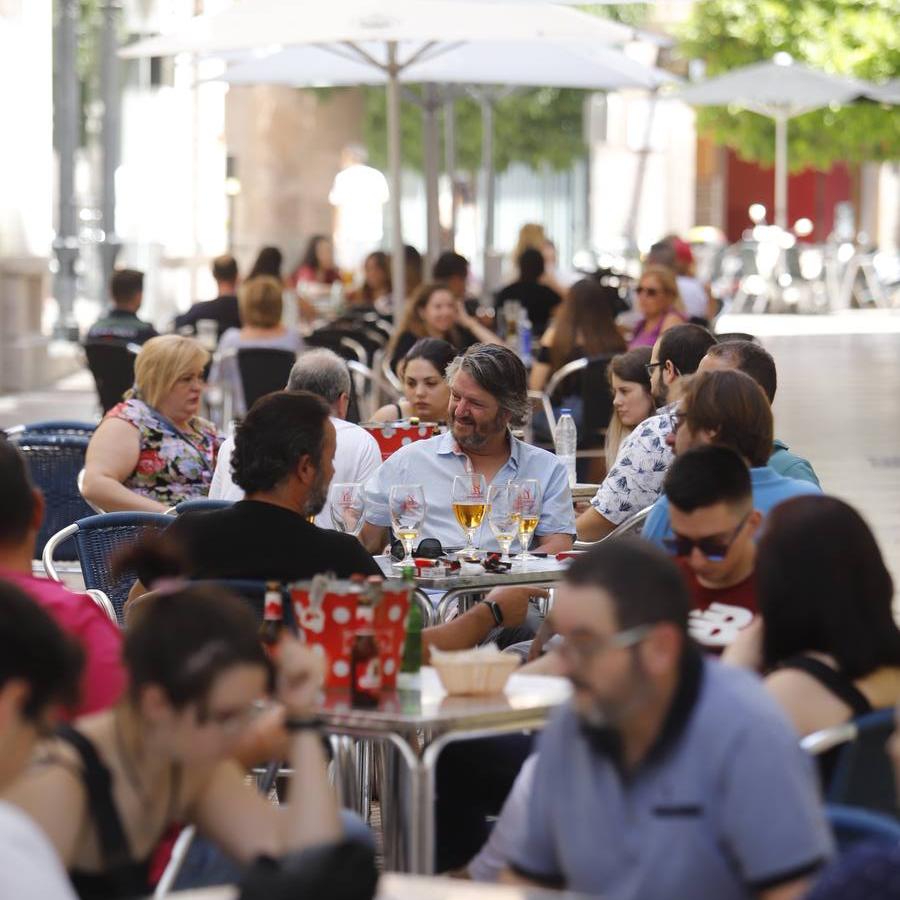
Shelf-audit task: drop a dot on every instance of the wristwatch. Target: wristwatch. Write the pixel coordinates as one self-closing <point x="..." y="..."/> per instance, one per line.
<point x="495" y="609"/>
<point x="303" y="723"/>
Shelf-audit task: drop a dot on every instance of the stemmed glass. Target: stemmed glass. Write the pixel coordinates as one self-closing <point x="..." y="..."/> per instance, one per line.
<point x="347" y="505"/>
<point x="528" y="509"/>
<point x="469" y="499"/>
<point x="502" y="516"/>
<point x="407" y="507"/>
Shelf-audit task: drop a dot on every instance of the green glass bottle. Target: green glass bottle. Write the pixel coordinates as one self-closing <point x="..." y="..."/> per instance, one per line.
<point x="412" y="646"/>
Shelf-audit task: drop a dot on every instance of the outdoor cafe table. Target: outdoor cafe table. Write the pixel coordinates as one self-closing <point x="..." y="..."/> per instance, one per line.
<point x="539" y="571"/>
<point x="413" y="887"/>
<point x="419" y="720"/>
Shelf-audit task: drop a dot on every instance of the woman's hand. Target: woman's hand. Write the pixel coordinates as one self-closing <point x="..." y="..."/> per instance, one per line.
<point x="747" y="648"/>
<point x="300" y="676"/>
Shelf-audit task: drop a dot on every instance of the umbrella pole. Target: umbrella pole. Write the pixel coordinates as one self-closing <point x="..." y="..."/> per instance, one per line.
<point x="398" y="269"/>
<point x="781" y="170"/>
<point x="490" y="189"/>
<point x="450" y="159"/>
<point x="431" y="140"/>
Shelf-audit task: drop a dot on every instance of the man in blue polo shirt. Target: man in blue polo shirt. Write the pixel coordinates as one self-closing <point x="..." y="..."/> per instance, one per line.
<point x="729" y="409"/>
<point x="669" y="775"/>
<point x="488" y="394"/>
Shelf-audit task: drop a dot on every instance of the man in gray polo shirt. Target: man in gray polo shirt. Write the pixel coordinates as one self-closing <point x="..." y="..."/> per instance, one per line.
<point x="669" y="775"/>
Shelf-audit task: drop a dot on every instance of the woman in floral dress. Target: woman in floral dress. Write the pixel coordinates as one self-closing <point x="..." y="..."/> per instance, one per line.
<point x="152" y="450"/>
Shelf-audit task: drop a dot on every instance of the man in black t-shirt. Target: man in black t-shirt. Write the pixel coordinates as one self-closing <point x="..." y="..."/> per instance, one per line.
<point x="120" y="324"/>
<point x="539" y="301"/>
<point x="283" y="459"/>
<point x="223" y="310"/>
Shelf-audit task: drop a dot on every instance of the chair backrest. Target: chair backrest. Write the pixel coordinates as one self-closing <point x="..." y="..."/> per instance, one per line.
<point x="203" y="504"/>
<point x="263" y="370"/>
<point x="55" y="426"/>
<point x="863" y="775"/>
<point x="54" y="462"/>
<point x="99" y="538"/>
<point x="852" y="825"/>
<point x="632" y="526"/>
<point x="597" y="407"/>
<point x="112" y="366"/>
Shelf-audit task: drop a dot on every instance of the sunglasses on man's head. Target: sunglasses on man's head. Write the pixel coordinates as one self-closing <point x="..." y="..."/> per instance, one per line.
<point x="429" y="548"/>
<point x="714" y="549"/>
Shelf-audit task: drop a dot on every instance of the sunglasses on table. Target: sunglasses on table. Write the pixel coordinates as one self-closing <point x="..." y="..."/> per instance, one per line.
<point x="429" y="548"/>
<point x="713" y="549"/>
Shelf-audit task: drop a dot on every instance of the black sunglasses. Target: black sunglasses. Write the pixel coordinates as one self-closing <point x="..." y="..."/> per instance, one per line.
<point x="429" y="548"/>
<point x="713" y="550"/>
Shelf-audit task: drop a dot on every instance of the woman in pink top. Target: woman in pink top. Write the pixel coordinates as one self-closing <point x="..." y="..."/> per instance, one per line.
<point x="103" y="677"/>
<point x="660" y="305"/>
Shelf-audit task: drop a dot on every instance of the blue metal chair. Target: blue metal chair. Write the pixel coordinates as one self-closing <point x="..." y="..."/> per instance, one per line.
<point x="201" y="505"/>
<point x="54" y="461"/>
<point x="862" y="775"/>
<point x="52" y="426"/>
<point x="97" y="540"/>
<point x="852" y="824"/>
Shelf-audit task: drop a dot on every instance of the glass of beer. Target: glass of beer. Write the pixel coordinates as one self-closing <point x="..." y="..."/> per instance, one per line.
<point x="528" y="511"/>
<point x="407" y="507"/>
<point x="502" y="516"/>
<point x="469" y="498"/>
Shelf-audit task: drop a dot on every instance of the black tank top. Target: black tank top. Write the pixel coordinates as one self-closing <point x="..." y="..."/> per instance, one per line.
<point x="122" y="876"/>
<point x="833" y="681"/>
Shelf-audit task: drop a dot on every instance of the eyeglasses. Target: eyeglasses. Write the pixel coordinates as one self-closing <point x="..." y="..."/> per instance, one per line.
<point x="676" y="420"/>
<point x="582" y="649"/>
<point x="232" y="721"/>
<point x="649" y="367"/>
<point x="712" y="549"/>
<point x="650" y="292"/>
<point x="429" y="548"/>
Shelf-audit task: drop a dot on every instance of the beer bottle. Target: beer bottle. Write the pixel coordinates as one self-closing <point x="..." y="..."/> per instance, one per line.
<point x="365" y="670"/>
<point x="412" y="646"/>
<point x="273" y="619"/>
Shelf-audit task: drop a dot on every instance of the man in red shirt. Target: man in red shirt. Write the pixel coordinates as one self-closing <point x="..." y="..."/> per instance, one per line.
<point x="715" y="525"/>
<point x="22" y="506"/>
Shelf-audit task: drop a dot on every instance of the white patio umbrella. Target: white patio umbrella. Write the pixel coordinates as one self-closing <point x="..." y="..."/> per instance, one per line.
<point x="780" y="89"/>
<point x="547" y="63"/>
<point x="389" y="36"/>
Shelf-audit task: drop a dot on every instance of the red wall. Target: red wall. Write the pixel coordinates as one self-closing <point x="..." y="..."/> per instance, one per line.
<point x="811" y="194"/>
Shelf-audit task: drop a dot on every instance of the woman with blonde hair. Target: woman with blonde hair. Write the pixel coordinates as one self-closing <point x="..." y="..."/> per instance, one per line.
<point x="434" y="312"/>
<point x="632" y="399"/>
<point x="659" y="303"/>
<point x="152" y="450"/>
<point x="260" y="306"/>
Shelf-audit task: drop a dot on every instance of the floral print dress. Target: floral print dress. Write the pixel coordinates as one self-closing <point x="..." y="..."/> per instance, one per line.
<point x="173" y="465"/>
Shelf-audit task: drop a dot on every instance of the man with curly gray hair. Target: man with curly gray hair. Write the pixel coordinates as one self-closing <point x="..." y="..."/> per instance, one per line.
<point x="488" y="396"/>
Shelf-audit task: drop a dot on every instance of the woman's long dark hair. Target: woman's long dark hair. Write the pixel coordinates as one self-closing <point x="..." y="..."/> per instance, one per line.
<point x="310" y="259"/>
<point x="823" y="587"/>
<point x="380" y="258"/>
<point x="433" y="350"/>
<point x="587" y="312"/>
<point x="267" y="263"/>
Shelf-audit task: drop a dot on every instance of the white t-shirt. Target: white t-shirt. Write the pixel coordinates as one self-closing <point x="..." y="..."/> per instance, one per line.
<point x="360" y="193"/>
<point x="356" y="457"/>
<point x="29" y="866"/>
<point x="693" y="295"/>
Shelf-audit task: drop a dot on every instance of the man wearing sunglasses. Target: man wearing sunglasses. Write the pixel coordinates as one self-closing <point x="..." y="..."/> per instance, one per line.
<point x="668" y="774"/>
<point x="714" y="527"/>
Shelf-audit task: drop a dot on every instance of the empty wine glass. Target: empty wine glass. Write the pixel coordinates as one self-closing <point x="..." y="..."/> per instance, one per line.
<point x="528" y="509"/>
<point x="469" y="499"/>
<point x="502" y="516"/>
<point x="347" y="504"/>
<point x="407" y="508"/>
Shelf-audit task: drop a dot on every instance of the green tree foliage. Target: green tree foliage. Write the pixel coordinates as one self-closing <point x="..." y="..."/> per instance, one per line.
<point x="847" y="37"/>
<point x="542" y="126"/>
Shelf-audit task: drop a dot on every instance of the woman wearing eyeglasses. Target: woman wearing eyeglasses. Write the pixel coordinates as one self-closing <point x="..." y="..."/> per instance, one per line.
<point x="108" y="789"/>
<point x="660" y="306"/>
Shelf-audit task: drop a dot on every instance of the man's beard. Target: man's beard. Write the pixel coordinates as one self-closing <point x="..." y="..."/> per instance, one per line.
<point x="481" y="434"/>
<point x="610" y="713"/>
<point x="661" y="392"/>
<point x="318" y="494"/>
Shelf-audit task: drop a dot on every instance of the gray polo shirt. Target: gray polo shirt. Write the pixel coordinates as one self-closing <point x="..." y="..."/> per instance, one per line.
<point x="726" y="804"/>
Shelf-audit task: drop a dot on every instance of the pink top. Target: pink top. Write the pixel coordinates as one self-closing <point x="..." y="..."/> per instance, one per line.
<point x="104" y="674"/>
<point x="642" y="338"/>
